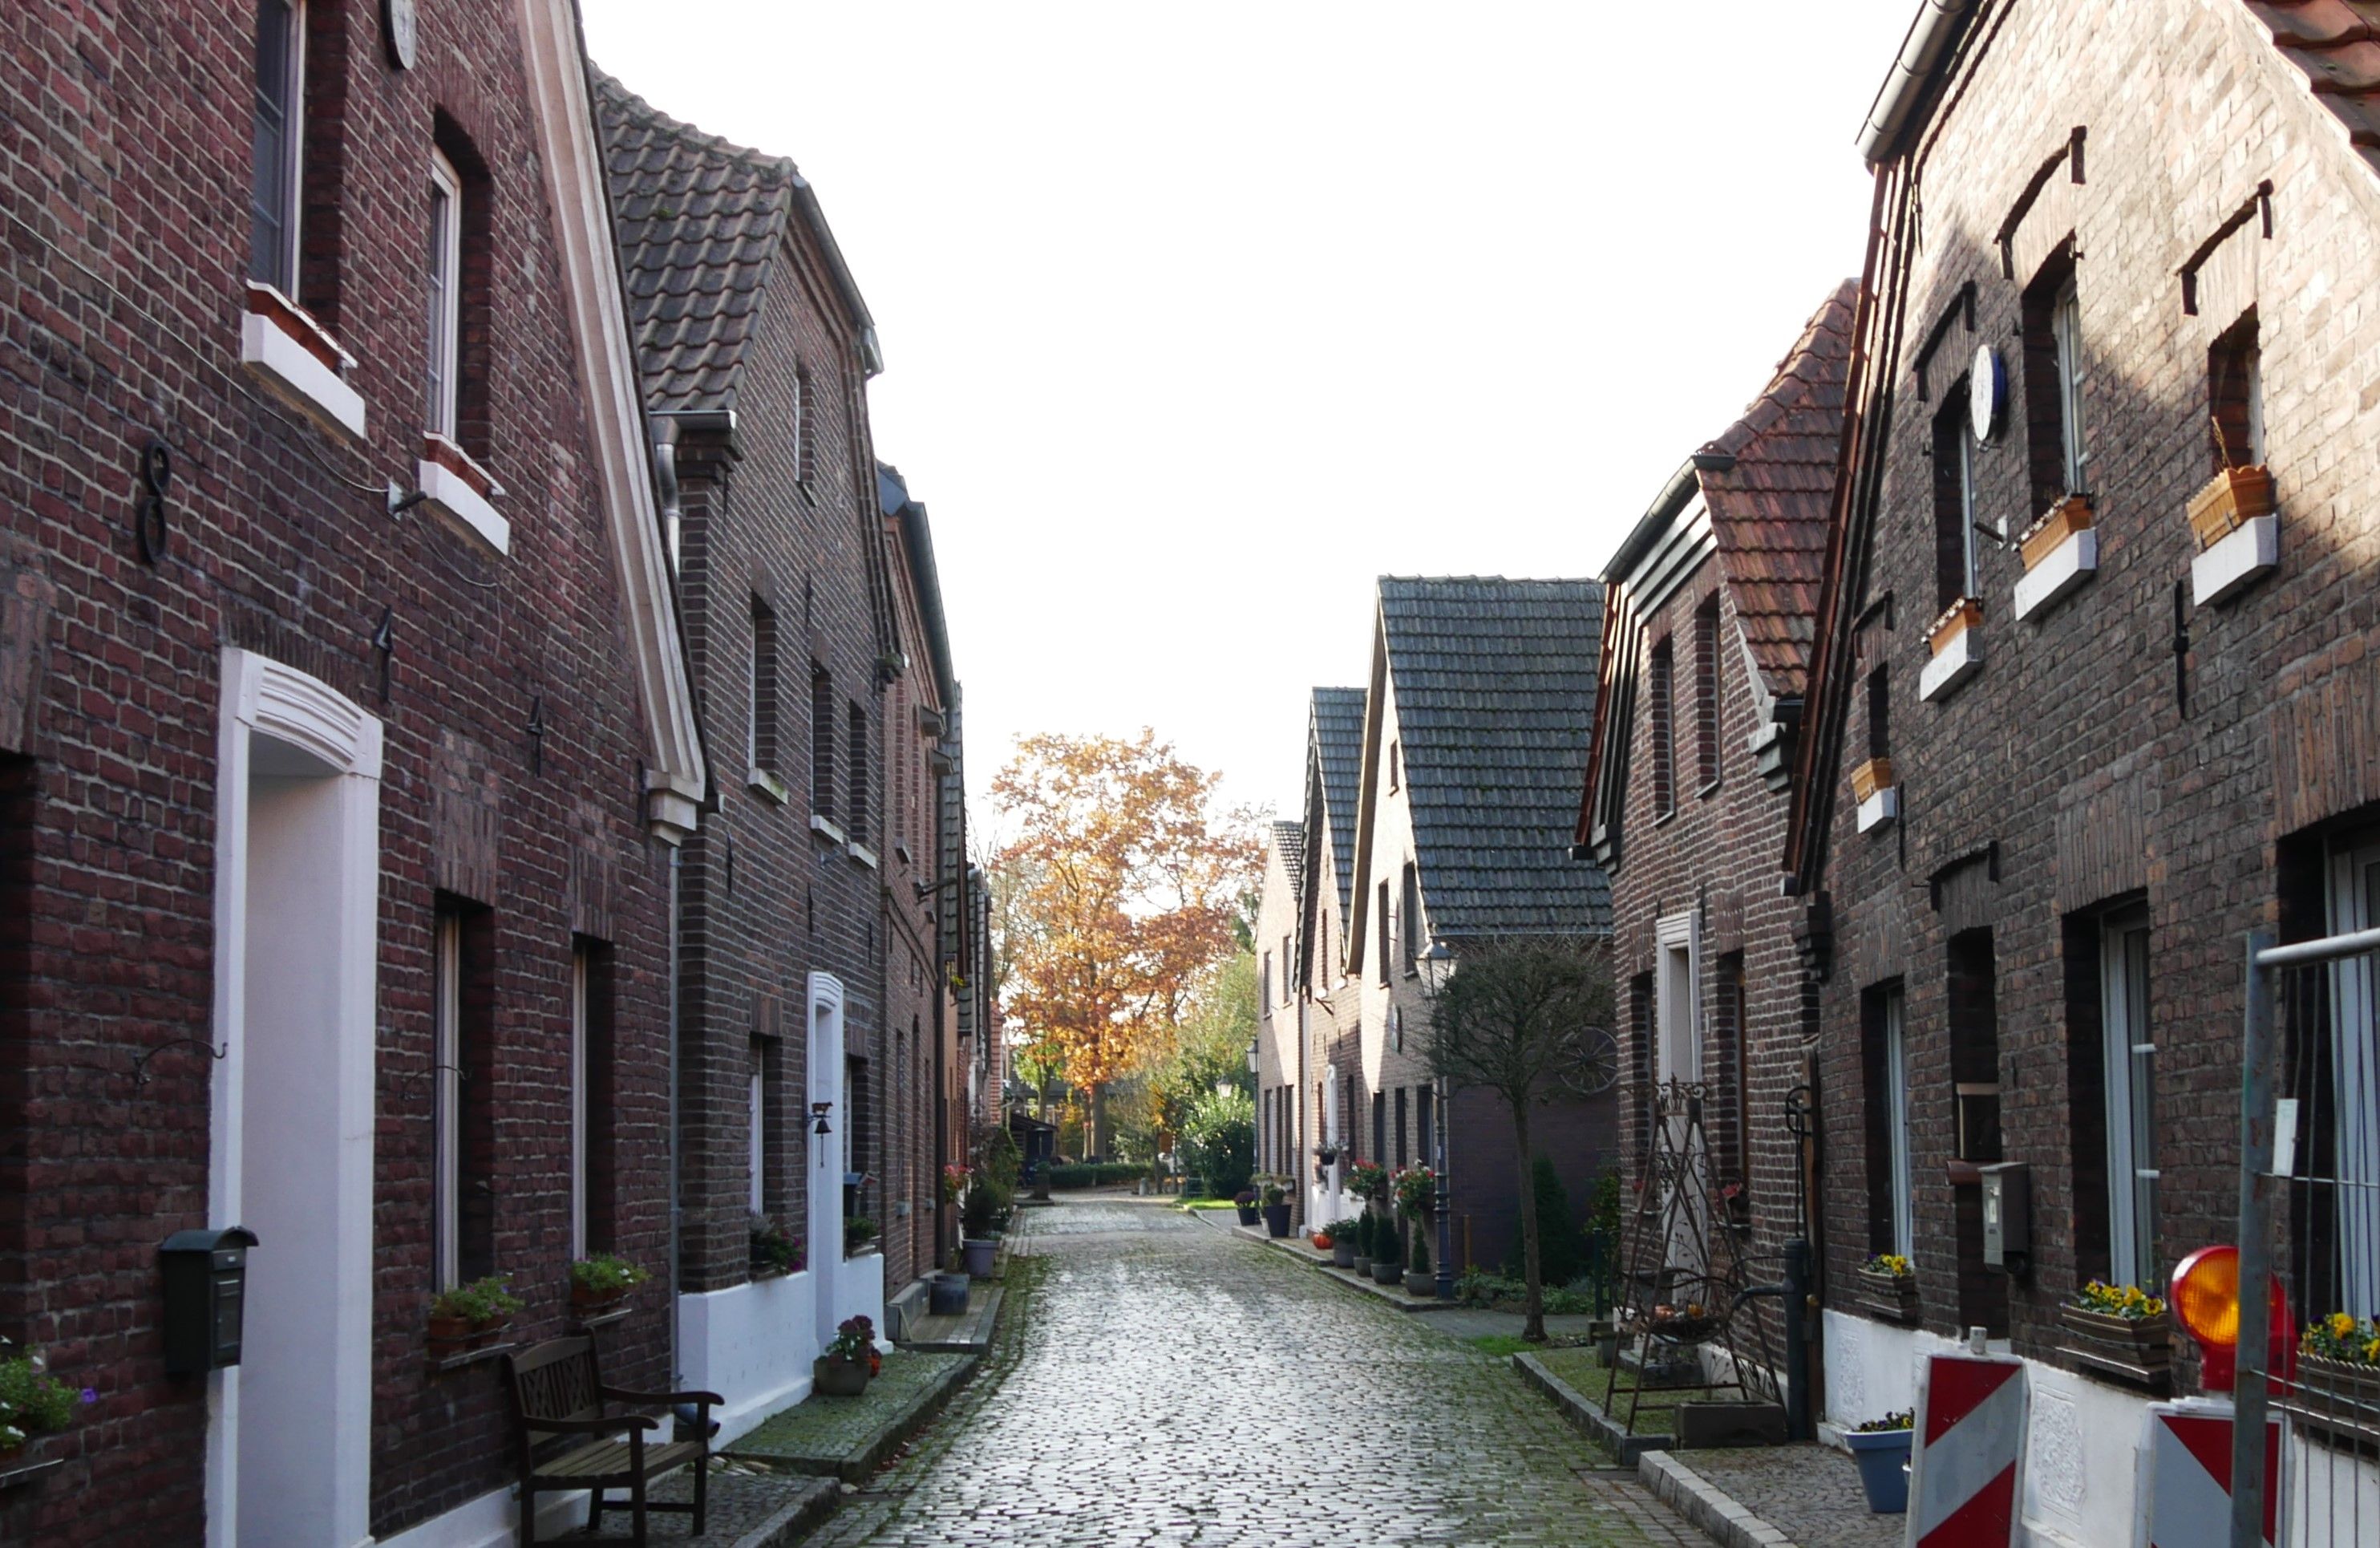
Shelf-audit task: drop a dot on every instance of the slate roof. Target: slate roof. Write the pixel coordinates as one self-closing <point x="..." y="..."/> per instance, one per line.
<point x="1769" y="483"/>
<point x="1494" y="686"/>
<point x="1338" y="753"/>
<point x="2336" y="43"/>
<point x="1288" y="843"/>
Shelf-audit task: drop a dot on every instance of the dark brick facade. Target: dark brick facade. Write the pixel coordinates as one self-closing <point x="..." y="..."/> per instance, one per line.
<point x="2123" y="743"/>
<point x="127" y="183"/>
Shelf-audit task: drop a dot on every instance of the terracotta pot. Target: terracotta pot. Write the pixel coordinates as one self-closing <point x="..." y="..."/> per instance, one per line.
<point x="450" y="1332"/>
<point x="487" y="1332"/>
<point x="2064" y="519"/>
<point x="584" y="1299"/>
<point x="2230" y="497"/>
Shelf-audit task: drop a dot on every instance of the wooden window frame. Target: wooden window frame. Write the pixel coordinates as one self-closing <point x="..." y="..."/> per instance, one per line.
<point x="443" y="365"/>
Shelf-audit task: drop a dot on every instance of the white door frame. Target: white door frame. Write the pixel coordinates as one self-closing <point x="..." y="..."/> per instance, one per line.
<point x="825" y="1153"/>
<point x="309" y="726"/>
<point x="1677" y="1035"/>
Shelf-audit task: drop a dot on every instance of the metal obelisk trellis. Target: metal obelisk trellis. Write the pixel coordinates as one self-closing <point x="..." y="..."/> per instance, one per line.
<point x="1682" y="1283"/>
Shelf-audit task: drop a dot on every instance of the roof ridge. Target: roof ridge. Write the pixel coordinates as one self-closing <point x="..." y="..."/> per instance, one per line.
<point x="637" y="106"/>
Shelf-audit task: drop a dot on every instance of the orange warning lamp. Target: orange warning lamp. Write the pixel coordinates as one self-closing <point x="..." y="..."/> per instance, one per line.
<point x="2206" y="1302"/>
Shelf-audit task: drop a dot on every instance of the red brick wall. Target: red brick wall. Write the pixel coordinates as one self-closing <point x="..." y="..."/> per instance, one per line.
<point x="127" y="190"/>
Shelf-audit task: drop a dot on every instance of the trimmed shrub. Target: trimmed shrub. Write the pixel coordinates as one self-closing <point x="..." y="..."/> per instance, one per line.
<point x="1561" y="1247"/>
<point x="1218" y="1142"/>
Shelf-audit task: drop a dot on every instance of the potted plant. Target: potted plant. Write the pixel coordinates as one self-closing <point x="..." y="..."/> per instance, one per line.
<point x="1880" y="1446"/>
<point x="32" y="1403"/>
<point x="603" y="1280"/>
<point x="842" y="1369"/>
<point x="1362" y="1259"/>
<point x="2239" y="491"/>
<point x="775" y="1251"/>
<point x="2062" y="521"/>
<point x="1276" y="1210"/>
<point x="979" y="1232"/>
<point x="858" y="1233"/>
<point x="1342" y="1241"/>
<point x="1417" y="1190"/>
<point x="2121" y="1326"/>
<point x="2341" y="1358"/>
<point x="1326" y="1153"/>
<point x="1889" y="1286"/>
<point x="1244" y="1200"/>
<point x="1388" y="1254"/>
<point x="470" y="1315"/>
<point x="1419" y="1280"/>
<point x="1365" y="1178"/>
<point x="954" y="1181"/>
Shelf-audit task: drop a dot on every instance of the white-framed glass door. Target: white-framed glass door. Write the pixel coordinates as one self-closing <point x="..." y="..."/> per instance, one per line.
<point x="1896" y="1124"/>
<point x="2355" y="1065"/>
<point x="2128" y="1054"/>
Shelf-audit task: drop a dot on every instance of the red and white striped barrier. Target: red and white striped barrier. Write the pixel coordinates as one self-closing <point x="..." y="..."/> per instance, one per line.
<point x="2187" y="1498"/>
<point x="1965" y="1460"/>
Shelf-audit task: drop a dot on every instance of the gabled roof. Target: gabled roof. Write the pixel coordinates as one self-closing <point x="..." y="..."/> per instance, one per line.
<point x="1335" y="753"/>
<point x="2336" y="43"/>
<point x="1288" y="843"/>
<point x="1769" y="483"/>
<point x="1493" y="682"/>
<point x="700" y="224"/>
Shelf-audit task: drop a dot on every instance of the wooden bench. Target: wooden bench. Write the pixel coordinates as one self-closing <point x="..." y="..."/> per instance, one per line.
<point x="569" y="1439"/>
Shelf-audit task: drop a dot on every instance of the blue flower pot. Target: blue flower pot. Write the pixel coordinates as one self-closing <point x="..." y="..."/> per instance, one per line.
<point x="1883" y="1459"/>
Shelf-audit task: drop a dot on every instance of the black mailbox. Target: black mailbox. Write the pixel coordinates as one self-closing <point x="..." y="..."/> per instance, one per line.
<point x="206" y="1280"/>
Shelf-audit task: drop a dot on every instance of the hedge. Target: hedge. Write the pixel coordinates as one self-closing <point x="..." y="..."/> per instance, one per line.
<point x="1097" y="1175"/>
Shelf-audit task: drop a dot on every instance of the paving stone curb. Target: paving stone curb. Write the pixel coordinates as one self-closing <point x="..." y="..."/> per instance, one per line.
<point x="1588" y="1415"/>
<point x="1397" y="1299"/>
<point x="813" y="1505"/>
<point x="1705" y="1505"/>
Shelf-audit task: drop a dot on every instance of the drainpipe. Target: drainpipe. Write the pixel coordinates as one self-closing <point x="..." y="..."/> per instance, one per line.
<point x="677" y="1125"/>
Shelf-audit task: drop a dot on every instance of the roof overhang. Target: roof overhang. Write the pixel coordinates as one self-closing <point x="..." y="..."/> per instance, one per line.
<point x="1936" y="28"/>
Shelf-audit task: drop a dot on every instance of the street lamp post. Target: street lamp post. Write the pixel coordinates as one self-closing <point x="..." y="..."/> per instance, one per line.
<point x="1434" y="963"/>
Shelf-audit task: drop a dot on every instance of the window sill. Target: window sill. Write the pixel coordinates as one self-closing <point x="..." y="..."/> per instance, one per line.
<point x="2059" y="572"/>
<point x="1882" y="807"/>
<point x="825" y="828"/>
<point x="1709" y="789"/>
<point x="1961" y="657"/>
<point x="459" y="489"/>
<point x="470" y="1357"/>
<point x="291" y="354"/>
<point x="768" y="786"/>
<point x="2250" y="552"/>
<point x="860" y="855"/>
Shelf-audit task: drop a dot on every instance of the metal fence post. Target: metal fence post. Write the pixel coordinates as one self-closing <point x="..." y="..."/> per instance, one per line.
<point x="2248" y="1481"/>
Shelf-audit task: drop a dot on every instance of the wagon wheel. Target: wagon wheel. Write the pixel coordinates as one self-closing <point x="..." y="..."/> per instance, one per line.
<point x="1592" y="1063"/>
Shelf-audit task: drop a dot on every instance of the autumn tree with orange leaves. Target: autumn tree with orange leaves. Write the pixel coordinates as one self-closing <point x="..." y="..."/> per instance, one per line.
<point x="1123" y="881"/>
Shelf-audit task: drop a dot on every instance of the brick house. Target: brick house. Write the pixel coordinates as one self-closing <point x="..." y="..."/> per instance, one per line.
<point x="1334" y="763"/>
<point x="1709" y="608"/>
<point x="756" y="349"/>
<point x="1280" y="1014"/>
<point x="1477" y="720"/>
<point x="348" y="738"/>
<point x="2126" y="745"/>
<point x="926" y="907"/>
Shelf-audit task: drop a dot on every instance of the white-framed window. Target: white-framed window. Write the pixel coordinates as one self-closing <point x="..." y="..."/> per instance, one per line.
<point x="445" y="320"/>
<point x="2066" y="338"/>
<point x="446" y="1204"/>
<point x="278" y="129"/>
<point x="2130" y="1061"/>
<point x="757" y="1131"/>
<point x="579" y="1134"/>
<point x="1899" y="1176"/>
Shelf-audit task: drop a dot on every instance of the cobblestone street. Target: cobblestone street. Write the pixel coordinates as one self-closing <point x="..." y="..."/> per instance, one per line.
<point x="1165" y="1382"/>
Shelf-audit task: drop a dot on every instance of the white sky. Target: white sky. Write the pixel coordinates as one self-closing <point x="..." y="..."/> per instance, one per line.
<point x="1197" y="318"/>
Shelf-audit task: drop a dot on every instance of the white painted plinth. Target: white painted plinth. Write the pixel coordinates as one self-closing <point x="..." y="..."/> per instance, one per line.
<point x="2062" y="570"/>
<point x="2250" y="550"/>
<point x="752" y="1344"/>
<point x="1960" y="660"/>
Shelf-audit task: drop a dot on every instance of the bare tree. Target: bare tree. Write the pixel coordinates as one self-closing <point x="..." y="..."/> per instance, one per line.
<point x="1518" y="1017"/>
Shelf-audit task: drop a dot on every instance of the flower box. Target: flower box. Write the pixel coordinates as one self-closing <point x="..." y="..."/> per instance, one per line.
<point x="1959" y="617"/>
<point x="1892" y="1297"/>
<point x="2137" y="1351"/>
<point x="2357" y="1384"/>
<point x="1870" y="777"/>
<point x="2227" y="501"/>
<point x="2060" y="552"/>
<point x="2063" y="520"/>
